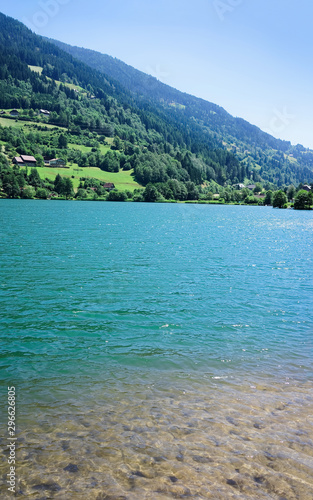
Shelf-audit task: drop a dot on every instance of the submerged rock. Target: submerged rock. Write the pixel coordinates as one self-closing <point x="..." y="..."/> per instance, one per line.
<point x="231" y="482"/>
<point x="71" y="468"/>
<point x="105" y="496"/>
<point x="259" y="479"/>
<point x="47" y="486"/>
<point x="138" y="473"/>
<point x="174" y="479"/>
<point x="202" y="460"/>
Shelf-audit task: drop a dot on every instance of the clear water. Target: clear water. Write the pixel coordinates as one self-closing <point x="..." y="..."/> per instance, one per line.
<point x="164" y="351"/>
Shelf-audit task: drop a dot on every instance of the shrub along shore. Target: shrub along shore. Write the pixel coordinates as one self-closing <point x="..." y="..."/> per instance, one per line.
<point x="26" y="183"/>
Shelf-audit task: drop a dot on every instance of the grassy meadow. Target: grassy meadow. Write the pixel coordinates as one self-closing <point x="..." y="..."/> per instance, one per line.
<point x="122" y="180"/>
<point x="86" y="149"/>
<point x="18" y="123"/>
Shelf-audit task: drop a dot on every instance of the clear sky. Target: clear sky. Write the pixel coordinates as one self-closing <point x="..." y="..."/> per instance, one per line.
<point x="252" y="57"/>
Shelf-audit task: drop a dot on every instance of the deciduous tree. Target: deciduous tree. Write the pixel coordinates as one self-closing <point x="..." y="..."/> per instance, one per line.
<point x="279" y="199"/>
<point x="303" y="200"/>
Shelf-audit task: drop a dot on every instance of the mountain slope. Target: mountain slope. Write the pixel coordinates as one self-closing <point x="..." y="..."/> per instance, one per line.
<point x="98" y="112"/>
<point x="253" y="146"/>
<point x="173" y="145"/>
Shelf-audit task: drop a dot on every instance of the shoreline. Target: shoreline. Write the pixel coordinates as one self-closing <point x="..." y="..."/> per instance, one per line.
<point x="171" y="202"/>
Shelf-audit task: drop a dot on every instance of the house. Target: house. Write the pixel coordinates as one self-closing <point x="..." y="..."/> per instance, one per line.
<point x="25" y="160"/>
<point x="109" y="186"/>
<point x="14" y="112"/>
<point x="306" y="188"/>
<point x="251" y="186"/>
<point x="56" y="162"/>
<point x="44" y="112"/>
<point x="239" y="186"/>
<point x="18" y="161"/>
<point x="2" y="112"/>
<point x="29" y="160"/>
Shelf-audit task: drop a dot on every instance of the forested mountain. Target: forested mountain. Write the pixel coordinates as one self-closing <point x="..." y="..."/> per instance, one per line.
<point x="272" y="159"/>
<point x="177" y="143"/>
<point x="35" y="74"/>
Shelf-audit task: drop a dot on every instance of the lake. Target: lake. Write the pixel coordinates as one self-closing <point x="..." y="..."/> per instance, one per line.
<point x="157" y="350"/>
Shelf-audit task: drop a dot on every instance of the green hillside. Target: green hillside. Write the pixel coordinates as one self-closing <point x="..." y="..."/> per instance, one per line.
<point x="55" y="107"/>
<point x="268" y="158"/>
<point x="123" y="180"/>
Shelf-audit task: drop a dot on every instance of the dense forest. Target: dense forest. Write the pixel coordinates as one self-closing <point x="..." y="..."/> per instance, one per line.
<point x="267" y="158"/>
<point x="55" y="106"/>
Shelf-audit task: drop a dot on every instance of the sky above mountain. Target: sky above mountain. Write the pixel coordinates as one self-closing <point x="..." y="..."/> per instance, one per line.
<point x="251" y="57"/>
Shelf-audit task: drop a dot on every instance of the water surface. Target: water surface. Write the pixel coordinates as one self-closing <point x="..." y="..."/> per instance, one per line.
<point x="162" y="351"/>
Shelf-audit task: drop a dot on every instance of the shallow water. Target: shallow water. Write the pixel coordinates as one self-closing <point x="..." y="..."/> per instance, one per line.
<point x="158" y="351"/>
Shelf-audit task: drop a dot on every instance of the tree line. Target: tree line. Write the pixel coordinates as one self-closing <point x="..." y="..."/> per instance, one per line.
<point x="27" y="183"/>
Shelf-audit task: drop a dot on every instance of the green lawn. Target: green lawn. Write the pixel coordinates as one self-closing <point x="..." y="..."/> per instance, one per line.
<point x="104" y="148"/>
<point x="177" y="105"/>
<point x="70" y="86"/>
<point x="122" y="180"/>
<point x="7" y="122"/>
<point x="37" y="69"/>
<point x="86" y="149"/>
<point x="79" y="147"/>
<point x="74" y="87"/>
<point x="290" y="158"/>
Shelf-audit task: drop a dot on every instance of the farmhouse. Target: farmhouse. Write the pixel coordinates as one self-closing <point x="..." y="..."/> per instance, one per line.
<point x="25" y="160"/>
<point x="14" y="112"/>
<point x="109" y="186"/>
<point x="45" y="112"/>
<point x="306" y="188"/>
<point x="18" y="161"/>
<point x="56" y="162"/>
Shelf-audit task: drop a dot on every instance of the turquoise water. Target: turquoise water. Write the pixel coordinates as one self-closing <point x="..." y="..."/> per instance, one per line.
<point x="134" y="318"/>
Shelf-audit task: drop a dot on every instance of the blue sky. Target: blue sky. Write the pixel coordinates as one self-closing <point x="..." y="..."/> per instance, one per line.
<point x="253" y="57"/>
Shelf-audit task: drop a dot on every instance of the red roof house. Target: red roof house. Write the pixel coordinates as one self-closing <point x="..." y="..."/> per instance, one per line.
<point x="108" y="185"/>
